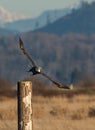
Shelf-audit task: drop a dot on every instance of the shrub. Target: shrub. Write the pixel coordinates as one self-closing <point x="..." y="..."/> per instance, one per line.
<point x="91" y="112"/>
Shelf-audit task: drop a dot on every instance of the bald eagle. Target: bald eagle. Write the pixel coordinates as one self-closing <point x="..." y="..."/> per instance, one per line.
<point x="38" y="70"/>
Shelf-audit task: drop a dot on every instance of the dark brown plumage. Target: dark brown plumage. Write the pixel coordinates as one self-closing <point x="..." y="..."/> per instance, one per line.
<point x="37" y="70"/>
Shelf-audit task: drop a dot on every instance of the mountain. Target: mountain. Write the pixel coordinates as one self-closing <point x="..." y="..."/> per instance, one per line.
<point x="69" y="57"/>
<point x="81" y="20"/>
<point x="7" y="16"/>
<point x="38" y="22"/>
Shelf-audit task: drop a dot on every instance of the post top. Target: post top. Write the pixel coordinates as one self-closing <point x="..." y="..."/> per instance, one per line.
<point x="25" y="82"/>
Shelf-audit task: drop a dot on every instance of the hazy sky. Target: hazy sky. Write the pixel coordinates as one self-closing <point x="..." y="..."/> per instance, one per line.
<point x="35" y="7"/>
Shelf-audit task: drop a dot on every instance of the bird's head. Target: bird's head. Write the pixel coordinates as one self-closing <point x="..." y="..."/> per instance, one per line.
<point x="38" y="69"/>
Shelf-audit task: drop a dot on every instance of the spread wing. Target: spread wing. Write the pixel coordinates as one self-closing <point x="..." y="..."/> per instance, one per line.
<point x="25" y="53"/>
<point x="55" y="82"/>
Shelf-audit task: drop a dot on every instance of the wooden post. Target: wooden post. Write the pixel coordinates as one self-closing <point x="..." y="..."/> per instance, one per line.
<point x="25" y="105"/>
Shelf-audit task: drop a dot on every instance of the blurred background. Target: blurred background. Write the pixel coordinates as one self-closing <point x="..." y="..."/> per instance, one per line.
<point x="60" y="37"/>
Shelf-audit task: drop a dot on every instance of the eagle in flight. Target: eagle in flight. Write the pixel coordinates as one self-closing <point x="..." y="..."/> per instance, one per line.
<point x="38" y="70"/>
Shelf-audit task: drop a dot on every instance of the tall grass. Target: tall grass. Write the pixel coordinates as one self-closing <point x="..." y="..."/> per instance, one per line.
<point x="53" y="109"/>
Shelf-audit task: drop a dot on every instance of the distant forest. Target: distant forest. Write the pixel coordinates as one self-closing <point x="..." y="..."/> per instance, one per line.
<point x="68" y="58"/>
<point x="80" y="20"/>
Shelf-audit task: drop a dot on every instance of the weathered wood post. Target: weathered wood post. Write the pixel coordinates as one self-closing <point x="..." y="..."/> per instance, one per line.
<point x="25" y="105"/>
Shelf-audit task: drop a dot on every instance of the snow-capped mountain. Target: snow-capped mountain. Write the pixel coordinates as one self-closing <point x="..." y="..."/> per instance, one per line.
<point x="21" y="23"/>
<point x="45" y="18"/>
<point x="7" y="16"/>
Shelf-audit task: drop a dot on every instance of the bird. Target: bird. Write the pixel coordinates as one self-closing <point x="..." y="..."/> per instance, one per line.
<point x="38" y="70"/>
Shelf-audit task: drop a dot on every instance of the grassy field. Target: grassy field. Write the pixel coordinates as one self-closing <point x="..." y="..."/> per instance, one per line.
<point x="57" y="112"/>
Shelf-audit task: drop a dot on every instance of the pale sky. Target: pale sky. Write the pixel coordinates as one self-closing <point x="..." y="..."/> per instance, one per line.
<point x="36" y="7"/>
